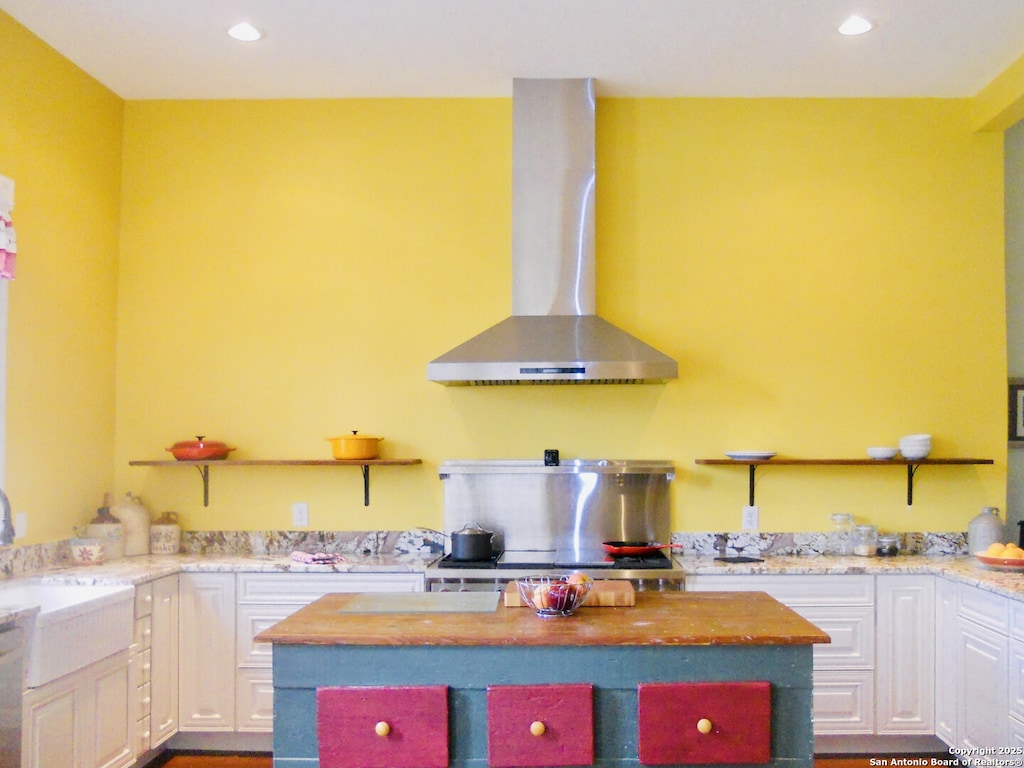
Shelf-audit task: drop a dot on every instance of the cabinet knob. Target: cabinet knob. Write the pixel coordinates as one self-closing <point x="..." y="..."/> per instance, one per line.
<point x="704" y="725"/>
<point x="537" y="728"/>
<point x="382" y="728"/>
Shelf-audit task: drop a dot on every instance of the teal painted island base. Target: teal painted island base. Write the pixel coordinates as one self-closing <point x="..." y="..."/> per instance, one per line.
<point x="603" y="657"/>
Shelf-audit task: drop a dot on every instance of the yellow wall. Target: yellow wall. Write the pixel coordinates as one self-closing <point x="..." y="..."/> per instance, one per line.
<point x="829" y="275"/>
<point x="60" y="140"/>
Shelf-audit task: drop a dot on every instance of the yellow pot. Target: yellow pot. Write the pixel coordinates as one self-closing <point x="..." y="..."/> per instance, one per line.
<point x="355" y="446"/>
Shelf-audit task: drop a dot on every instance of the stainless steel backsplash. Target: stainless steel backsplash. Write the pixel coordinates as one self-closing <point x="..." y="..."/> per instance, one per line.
<point x="531" y="506"/>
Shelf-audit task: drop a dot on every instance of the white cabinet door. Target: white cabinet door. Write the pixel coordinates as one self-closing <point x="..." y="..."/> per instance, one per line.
<point x="109" y="730"/>
<point x="164" y="661"/>
<point x="947" y="630"/>
<point x="206" y="652"/>
<point x="48" y="727"/>
<point x="981" y="686"/>
<point x="904" y="661"/>
<point x="80" y="720"/>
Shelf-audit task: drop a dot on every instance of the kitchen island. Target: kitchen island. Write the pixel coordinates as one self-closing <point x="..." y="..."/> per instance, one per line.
<point x="703" y="678"/>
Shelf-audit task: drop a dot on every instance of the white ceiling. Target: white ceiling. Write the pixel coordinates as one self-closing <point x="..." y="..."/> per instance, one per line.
<point x="177" y="49"/>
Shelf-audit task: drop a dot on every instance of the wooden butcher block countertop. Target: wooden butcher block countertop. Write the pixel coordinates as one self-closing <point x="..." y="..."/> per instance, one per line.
<point x="658" y="618"/>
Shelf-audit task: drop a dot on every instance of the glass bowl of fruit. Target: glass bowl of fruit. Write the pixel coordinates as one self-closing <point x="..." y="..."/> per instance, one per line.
<point x="554" y="595"/>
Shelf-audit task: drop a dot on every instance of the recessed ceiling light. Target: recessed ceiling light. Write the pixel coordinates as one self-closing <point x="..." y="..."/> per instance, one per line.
<point x="245" y="32"/>
<point x="855" y="25"/>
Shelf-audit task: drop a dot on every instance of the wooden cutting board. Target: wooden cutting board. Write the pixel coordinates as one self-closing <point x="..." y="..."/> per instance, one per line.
<point x="604" y="594"/>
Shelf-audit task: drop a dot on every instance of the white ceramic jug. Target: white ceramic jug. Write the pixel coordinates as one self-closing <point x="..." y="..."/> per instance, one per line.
<point x="136" y="521"/>
<point x="984" y="529"/>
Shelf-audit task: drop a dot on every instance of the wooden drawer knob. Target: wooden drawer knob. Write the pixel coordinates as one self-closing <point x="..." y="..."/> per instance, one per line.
<point x="704" y="725"/>
<point x="537" y="728"/>
<point x="382" y="728"/>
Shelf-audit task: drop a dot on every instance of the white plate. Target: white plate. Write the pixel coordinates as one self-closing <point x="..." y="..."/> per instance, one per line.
<point x="750" y="455"/>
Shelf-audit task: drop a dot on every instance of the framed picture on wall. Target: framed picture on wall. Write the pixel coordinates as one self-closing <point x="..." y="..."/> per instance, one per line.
<point x="1016" y="411"/>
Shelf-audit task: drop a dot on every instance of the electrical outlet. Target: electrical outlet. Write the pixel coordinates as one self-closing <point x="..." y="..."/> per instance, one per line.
<point x="300" y="514"/>
<point x="750" y="518"/>
<point x="20" y="525"/>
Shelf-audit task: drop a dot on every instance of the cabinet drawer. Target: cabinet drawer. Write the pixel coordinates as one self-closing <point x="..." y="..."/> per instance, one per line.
<point x="254" y="700"/>
<point x="304" y="588"/>
<point x="142" y="736"/>
<point x="143" y="671"/>
<point x="392" y="727"/>
<point x="144" y="599"/>
<point x="793" y="590"/>
<point x="253" y="619"/>
<point x="985" y="608"/>
<point x="704" y="723"/>
<point x="142" y="702"/>
<point x="852" y="630"/>
<point x="540" y="725"/>
<point x="844" y="701"/>
<point x="142" y="634"/>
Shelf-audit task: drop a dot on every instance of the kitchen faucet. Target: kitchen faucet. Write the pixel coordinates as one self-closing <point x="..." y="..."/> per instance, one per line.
<point x="721" y="543"/>
<point x="6" y="523"/>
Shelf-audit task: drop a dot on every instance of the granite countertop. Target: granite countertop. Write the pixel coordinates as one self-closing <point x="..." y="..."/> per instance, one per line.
<point x="140" y="569"/>
<point x="960" y="568"/>
<point x="658" y="618"/>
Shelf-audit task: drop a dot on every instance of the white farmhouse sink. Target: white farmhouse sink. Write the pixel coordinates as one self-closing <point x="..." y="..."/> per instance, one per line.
<point x="76" y="625"/>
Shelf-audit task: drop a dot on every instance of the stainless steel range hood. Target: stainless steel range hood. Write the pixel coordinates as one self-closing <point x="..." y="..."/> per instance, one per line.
<point x="553" y="335"/>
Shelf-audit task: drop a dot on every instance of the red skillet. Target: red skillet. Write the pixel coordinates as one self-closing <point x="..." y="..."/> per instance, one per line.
<point x="635" y="548"/>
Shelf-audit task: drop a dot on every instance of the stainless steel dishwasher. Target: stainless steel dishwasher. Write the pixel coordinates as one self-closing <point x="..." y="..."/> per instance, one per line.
<point x="11" y="665"/>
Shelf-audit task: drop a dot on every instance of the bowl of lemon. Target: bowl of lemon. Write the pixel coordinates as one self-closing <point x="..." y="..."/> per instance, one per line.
<point x="1002" y="557"/>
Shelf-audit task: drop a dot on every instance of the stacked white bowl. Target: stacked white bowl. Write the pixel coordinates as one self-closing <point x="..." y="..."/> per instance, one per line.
<point x="915" y="446"/>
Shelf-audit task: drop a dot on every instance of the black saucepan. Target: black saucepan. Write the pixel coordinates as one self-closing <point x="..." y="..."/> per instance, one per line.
<point x="472" y="542"/>
<point x="635" y="548"/>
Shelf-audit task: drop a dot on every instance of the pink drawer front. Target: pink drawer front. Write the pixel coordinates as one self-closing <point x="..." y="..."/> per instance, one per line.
<point x="704" y="723"/>
<point x="392" y="727"/>
<point x="540" y="725"/>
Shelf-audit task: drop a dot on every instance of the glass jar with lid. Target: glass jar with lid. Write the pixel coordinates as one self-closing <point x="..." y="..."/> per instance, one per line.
<point x="838" y="538"/>
<point x="865" y="540"/>
<point x="888" y="545"/>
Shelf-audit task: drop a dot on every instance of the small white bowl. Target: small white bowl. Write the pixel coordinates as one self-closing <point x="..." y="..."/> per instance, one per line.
<point x="915" y="453"/>
<point x="86" y="551"/>
<point x="879" y="452"/>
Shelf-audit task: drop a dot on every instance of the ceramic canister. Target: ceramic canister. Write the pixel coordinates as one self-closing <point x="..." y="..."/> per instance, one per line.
<point x="136" y="521"/>
<point x="165" y="535"/>
<point x="112" y="537"/>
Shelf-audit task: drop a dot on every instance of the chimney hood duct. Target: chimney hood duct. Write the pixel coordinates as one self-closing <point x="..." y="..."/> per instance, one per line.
<point x="553" y="335"/>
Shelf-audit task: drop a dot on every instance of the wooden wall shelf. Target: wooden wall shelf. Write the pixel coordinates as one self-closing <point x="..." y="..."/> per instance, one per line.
<point x="911" y="465"/>
<point x="204" y="467"/>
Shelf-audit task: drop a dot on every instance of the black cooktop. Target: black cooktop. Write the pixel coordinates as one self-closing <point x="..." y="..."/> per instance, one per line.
<point x="450" y="562"/>
<point x="552" y="559"/>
